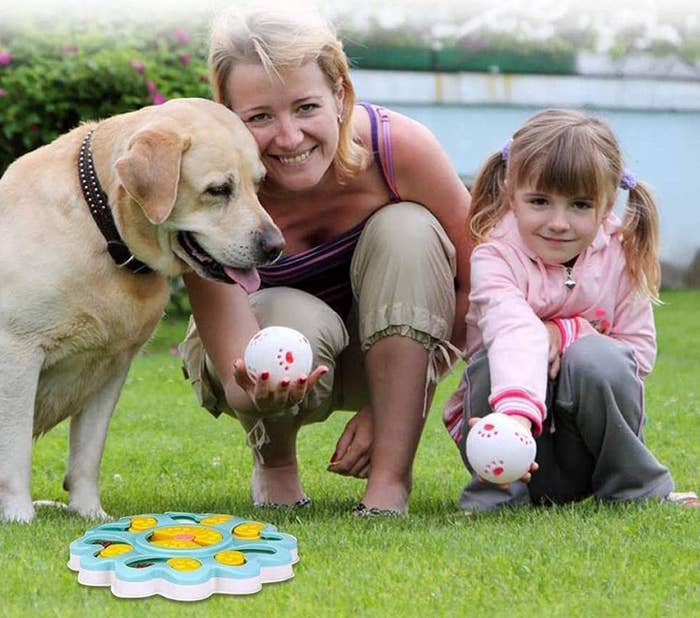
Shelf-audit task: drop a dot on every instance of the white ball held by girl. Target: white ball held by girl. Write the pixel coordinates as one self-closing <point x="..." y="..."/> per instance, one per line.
<point x="500" y="449"/>
<point x="282" y="352"/>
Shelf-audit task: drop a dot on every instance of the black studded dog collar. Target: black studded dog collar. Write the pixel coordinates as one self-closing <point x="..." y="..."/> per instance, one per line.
<point x="102" y="214"/>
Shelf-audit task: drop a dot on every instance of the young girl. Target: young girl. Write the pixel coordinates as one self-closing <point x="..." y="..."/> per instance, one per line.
<point x="560" y="330"/>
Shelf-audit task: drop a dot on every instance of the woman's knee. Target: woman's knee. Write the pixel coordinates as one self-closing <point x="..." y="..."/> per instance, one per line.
<point x="408" y="232"/>
<point x="403" y="276"/>
<point x="301" y="311"/>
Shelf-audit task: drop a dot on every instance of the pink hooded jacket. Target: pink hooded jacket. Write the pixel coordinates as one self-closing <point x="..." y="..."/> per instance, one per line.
<point x="513" y="293"/>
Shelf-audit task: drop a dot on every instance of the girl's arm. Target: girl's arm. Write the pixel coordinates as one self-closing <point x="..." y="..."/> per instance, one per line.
<point x="633" y="324"/>
<point x="630" y="321"/>
<point x="515" y="338"/>
<point x="425" y="174"/>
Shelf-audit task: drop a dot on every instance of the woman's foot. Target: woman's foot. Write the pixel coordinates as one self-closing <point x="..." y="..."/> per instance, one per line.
<point x="278" y="486"/>
<point x="386" y="497"/>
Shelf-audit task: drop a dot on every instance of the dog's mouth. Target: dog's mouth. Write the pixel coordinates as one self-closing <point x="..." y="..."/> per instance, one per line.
<point x="247" y="278"/>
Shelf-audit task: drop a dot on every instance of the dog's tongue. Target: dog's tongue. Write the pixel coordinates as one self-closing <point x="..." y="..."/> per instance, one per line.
<point x="248" y="279"/>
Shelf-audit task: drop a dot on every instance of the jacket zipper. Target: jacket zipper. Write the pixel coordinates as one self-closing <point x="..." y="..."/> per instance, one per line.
<point x="570" y="282"/>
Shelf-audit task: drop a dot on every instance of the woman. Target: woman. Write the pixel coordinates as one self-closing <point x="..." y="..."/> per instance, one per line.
<point x="375" y="272"/>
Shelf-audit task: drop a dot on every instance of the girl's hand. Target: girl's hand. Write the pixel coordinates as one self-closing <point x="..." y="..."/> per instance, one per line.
<point x="352" y="452"/>
<point x="554" y="356"/>
<point x="527" y="477"/>
<point x="269" y="399"/>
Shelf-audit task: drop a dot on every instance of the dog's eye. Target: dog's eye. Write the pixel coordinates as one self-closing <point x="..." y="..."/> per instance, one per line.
<point x="223" y="190"/>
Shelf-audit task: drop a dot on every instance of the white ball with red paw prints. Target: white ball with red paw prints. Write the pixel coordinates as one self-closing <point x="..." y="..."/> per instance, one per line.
<point x="281" y="352"/>
<point x="499" y="449"/>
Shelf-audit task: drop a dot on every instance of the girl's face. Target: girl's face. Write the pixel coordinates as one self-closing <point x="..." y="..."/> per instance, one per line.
<point x="294" y="120"/>
<point x="556" y="227"/>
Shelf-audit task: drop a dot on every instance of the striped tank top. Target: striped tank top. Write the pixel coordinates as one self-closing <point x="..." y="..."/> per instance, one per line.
<point x="324" y="270"/>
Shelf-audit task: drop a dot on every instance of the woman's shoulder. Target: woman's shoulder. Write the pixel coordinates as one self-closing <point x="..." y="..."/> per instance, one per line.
<point x="403" y="129"/>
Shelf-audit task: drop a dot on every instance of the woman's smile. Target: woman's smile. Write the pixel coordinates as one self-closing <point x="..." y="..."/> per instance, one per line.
<point x="293" y="159"/>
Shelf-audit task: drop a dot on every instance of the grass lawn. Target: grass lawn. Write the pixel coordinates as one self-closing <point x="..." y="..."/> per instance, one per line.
<point x="164" y="453"/>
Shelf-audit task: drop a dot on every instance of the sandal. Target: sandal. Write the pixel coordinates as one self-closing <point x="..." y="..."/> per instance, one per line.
<point x="362" y="510"/>
<point x="302" y="503"/>
<point x="686" y="499"/>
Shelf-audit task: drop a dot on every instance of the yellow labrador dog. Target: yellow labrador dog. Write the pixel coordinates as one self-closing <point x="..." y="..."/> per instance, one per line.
<point x="91" y="227"/>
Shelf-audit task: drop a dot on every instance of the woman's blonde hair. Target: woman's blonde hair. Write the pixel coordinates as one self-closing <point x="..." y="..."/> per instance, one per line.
<point x="280" y="38"/>
<point x="571" y="153"/>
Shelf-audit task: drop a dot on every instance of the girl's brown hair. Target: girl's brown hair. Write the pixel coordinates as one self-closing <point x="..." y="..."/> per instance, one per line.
<point x="571" y="153"/>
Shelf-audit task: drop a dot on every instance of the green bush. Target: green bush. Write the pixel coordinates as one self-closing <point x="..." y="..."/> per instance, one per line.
<point x="49" y="83"/>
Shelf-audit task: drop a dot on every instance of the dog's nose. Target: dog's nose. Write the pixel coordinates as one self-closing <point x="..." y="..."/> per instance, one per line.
<point x="272" y="243"/>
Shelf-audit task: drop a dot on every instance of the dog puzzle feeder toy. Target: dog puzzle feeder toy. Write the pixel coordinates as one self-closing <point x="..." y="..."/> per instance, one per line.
<point x="183" y="556"/>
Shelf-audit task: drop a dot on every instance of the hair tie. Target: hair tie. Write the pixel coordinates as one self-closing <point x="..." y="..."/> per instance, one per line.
<point x="505" y="151"/>
<point x="628" y="181"/>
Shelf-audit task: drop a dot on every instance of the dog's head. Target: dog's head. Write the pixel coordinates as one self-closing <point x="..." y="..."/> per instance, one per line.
<point x="187" y="184"/>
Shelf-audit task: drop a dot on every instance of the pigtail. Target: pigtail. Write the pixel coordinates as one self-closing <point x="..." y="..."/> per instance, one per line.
<point x="488" y="205"/>
<point x="640" y="240"/>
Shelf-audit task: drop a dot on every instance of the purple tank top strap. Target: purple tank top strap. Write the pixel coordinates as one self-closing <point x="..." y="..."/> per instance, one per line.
<point x="384" y="163"/>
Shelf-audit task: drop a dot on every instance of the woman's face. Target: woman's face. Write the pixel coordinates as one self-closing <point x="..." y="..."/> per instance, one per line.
<point x="294" y="120"/>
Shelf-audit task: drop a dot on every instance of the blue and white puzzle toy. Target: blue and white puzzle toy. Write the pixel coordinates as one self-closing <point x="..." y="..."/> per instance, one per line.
<point x="183" y="556"/>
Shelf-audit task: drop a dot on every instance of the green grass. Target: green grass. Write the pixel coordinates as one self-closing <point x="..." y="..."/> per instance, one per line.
<point x="164" y="453"/>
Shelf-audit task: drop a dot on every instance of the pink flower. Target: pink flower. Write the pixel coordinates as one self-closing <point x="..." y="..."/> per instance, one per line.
<point x="69" y="50"/>
<point x="185" y="59"/>
<point x="152" y="88"/>
<point x="181" y="36"/>
<point x="5" y="58"/>
<point x="3" y="92"/>
<point x="137" y="65"/>
<point x="158" y="98"/>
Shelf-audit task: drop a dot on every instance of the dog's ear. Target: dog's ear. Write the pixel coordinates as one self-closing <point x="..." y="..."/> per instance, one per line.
<point x="150" y="170"/>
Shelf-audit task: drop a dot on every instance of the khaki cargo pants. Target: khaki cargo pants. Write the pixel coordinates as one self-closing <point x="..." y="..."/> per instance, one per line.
<point x="402" y="276"/>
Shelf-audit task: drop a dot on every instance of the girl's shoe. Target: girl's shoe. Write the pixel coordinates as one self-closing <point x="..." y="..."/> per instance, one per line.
<point x="687" y="499"/>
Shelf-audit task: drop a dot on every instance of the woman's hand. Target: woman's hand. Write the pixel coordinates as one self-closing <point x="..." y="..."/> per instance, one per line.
<point x="554" y="356"/>
<point x="352" y="452"/>
<point x="527" y="477"/>
<point x="271" y="399"/>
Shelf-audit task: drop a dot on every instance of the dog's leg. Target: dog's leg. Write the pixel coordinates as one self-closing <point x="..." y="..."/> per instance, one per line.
<point x="88" y="432"/>
<point x="19" y="376"/>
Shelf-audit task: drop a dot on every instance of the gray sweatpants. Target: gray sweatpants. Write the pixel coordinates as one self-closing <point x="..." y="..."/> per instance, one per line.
<point x="592" y="442"/>
<point x="402" y="275"/>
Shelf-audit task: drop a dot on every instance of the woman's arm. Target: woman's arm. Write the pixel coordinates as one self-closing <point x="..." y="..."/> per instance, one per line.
<point x="225" y="323"/>
<point x="425" y="174"/>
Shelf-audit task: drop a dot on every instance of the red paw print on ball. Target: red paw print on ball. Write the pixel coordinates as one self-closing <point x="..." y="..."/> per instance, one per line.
<point x="524" y="438"/>
<point x="487" y="431"/>
<point x="494" y="468"/>
<point x="285" y="359"/>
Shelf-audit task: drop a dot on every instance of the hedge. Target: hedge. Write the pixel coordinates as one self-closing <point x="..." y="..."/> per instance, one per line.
<point x="460" y="58"/>
<point x="51" y="83"/>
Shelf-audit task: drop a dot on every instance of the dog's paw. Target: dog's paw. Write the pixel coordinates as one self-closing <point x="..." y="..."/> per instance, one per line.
<point x="23" y="514"/>
<point x="96" y="513"/>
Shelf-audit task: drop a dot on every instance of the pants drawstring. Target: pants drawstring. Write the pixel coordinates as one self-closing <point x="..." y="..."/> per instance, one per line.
<point x="440" y="363"/>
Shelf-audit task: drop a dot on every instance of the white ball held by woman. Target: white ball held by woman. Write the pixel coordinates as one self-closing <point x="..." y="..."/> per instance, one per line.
<point x="280" y="352"/>
<point x="499" y="449"/>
